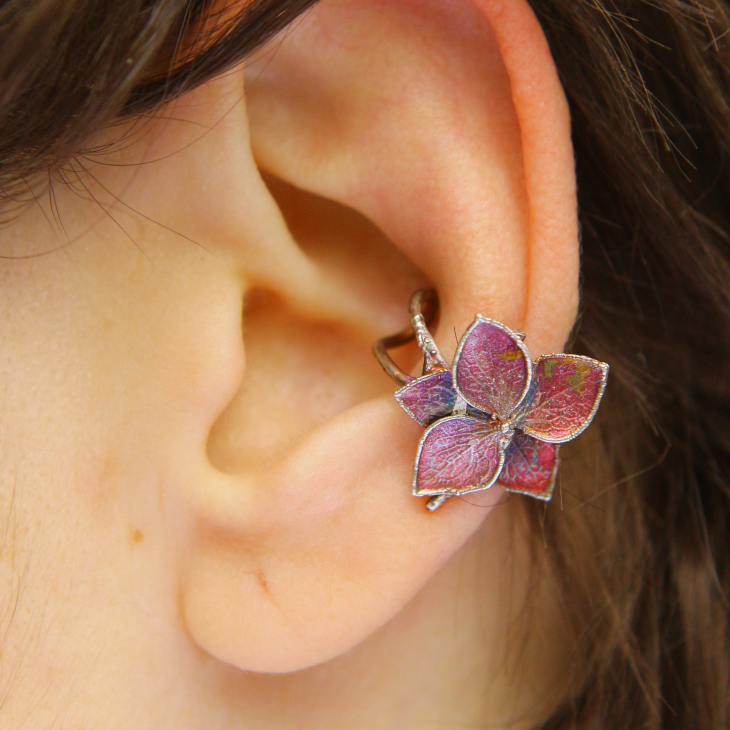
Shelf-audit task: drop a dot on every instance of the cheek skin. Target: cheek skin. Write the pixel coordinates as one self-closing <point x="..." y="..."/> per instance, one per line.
<point x="106" y="347"/>
<point x="105" y="356"/>
<point x="118" y="352"/>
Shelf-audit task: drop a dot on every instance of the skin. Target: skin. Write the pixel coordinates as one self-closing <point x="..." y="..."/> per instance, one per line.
<point x="204" y="477"/>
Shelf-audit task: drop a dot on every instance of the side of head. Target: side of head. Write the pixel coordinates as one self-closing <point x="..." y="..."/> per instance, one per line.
<point x="206" y="479"/>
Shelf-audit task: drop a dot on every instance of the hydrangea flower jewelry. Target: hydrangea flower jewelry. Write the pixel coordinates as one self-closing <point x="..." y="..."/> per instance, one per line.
<point x="494" y="416"/>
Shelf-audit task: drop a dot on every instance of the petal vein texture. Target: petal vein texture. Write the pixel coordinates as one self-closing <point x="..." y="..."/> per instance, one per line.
<point x="492" y="368"/>
<point x="530" y="467"/>
<point x="428" y="398"/>
<point x="458" y="455"/>
<point x="567" y="390"/>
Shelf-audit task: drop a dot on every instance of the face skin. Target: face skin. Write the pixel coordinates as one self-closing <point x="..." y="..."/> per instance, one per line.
<point x="204" y="481"/>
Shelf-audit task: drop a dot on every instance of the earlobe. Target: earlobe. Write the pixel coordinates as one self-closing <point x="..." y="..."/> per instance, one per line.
<point x="444" y="124"/>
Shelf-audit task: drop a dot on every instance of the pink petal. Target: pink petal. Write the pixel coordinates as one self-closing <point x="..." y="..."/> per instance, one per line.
<point x="458" y="455"/>
<point x="492" y="368"/>
<point x="428" y="398"/>
<point x="568" y="389"/>
<point x="530" y="467"/>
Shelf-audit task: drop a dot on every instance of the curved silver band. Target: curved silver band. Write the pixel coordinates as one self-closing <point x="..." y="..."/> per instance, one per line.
<point x="422" y="308"/>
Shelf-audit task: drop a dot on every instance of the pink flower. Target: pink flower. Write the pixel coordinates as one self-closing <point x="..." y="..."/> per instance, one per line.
<point x="498" y="417"/>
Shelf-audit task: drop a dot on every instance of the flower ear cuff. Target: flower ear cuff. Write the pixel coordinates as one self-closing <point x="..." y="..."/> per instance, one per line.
<point x="494" y="416"/>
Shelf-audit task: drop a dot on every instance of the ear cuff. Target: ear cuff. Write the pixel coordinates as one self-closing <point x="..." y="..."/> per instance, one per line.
<point x="494" y="416"/>
<point x="423" y="309"/>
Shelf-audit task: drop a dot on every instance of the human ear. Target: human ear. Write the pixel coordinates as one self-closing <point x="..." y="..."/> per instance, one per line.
<point x="443" y="125"/>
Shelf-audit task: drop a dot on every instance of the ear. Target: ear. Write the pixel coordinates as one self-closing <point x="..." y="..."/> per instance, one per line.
<point x="443" y="126"/>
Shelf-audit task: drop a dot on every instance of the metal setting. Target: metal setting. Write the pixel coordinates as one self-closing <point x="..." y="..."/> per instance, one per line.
<point x="423" y="308"/>
<point x="494" y="416"/>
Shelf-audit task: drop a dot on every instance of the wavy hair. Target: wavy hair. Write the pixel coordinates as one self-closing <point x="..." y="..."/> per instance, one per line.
<point x="642" y="559"/>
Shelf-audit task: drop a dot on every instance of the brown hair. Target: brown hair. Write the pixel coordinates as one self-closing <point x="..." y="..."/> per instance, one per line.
<point x="641" y="553"/>
<point x="645" y="564"/>
<point x="70" y="67"/>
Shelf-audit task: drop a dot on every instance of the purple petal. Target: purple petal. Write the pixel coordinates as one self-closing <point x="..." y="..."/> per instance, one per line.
<point x="492" y="368"/>
<point x="428" y="398"/>
<point x="567" y="390"/>
<point x="458" y="455"/>
<point x="530" y="467"/>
